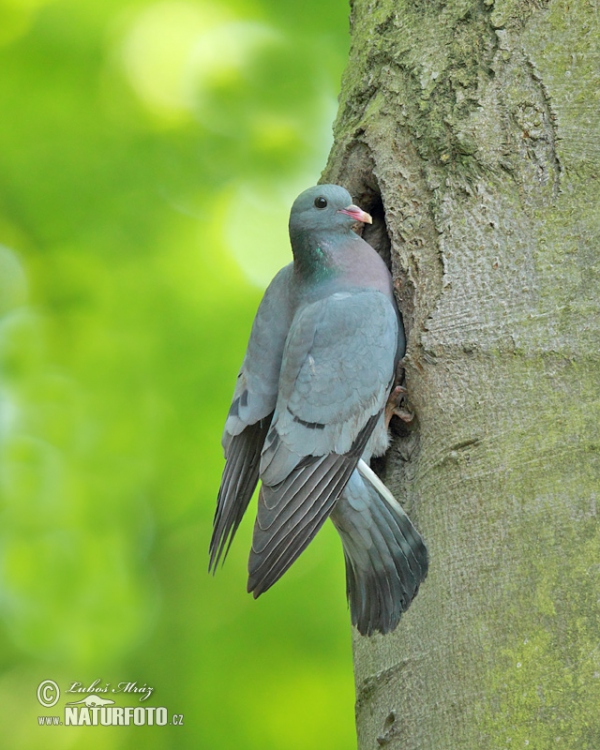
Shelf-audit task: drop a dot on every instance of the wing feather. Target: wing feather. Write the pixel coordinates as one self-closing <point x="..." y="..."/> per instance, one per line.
<point x="251" y="411"/>
<point x="291" y="513"/>
<point x="240" y="478"/>
<point x="337" y="369"/>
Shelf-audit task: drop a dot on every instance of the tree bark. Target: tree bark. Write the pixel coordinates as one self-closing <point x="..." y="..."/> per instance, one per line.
<point x="471" y="130"/>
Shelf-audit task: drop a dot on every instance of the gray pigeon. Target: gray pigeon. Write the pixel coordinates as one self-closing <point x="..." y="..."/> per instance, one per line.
<point x="309" y="411"/>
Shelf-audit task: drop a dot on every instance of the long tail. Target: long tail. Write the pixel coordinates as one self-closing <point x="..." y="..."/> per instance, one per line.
<point x="386" y="559"/>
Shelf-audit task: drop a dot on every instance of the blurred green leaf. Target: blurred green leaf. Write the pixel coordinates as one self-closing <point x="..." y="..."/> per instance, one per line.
<point x="149" y="154"/>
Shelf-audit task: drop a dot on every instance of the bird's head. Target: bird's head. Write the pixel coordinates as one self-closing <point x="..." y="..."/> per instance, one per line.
<point x="326" y="208"/>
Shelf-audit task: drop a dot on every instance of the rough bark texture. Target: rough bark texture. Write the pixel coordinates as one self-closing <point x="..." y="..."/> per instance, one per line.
<point x="472" y="131"/>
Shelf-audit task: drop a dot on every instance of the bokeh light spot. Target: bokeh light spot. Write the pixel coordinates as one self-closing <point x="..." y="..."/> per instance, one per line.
<point x="13" y="282"/>
<point x="157" y="49"/>
<point x="256" y="230"/>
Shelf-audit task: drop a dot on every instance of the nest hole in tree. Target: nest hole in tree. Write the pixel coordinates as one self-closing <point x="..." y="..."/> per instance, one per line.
<point x="376" y="234"/>
<point x="368" y="197"/>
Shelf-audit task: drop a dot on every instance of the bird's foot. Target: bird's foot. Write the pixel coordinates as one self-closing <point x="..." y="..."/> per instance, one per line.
<point x="396" y="406"/>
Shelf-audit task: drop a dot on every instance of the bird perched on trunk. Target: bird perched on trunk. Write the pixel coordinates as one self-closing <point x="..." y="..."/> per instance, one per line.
<point x="309" y="411"/>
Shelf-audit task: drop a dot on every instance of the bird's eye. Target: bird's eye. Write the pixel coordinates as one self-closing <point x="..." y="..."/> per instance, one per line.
<point x="320" y="202"/>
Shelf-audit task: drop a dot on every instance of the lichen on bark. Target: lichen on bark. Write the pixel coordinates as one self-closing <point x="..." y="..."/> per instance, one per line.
<point x="472" y="129"/>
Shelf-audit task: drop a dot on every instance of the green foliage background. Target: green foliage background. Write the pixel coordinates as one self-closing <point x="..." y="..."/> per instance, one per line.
<point x="149" y="153"/>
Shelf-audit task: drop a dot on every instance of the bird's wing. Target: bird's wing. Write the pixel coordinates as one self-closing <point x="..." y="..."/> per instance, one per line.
<point x="337" y="370"/>
<point x="251" y="410"/>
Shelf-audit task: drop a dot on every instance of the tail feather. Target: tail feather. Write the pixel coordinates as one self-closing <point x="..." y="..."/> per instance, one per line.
<point x="386" y="559"/>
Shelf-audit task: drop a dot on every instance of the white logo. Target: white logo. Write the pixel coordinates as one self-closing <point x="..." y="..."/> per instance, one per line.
<point x="48" y="693"/>
<point x="92" y="700"/>
<point x="96" y="710"/>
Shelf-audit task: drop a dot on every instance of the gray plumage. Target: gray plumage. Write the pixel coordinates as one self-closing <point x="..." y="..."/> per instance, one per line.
<point x="386" y="559"/>
<point x="308" y="404"/>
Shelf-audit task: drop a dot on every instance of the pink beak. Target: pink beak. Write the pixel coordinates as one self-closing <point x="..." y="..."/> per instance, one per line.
<point x="357" y="214"/>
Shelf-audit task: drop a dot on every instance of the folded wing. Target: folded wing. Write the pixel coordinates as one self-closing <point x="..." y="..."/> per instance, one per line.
<point x="251" y="411"/>
<point x="337" y="370"/>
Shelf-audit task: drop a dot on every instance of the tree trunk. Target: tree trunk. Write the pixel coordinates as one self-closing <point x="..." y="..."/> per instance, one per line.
<point x="471" y="130"/>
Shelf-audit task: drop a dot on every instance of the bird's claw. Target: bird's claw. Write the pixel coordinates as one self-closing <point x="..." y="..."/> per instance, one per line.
<point x="395" y="406"/>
